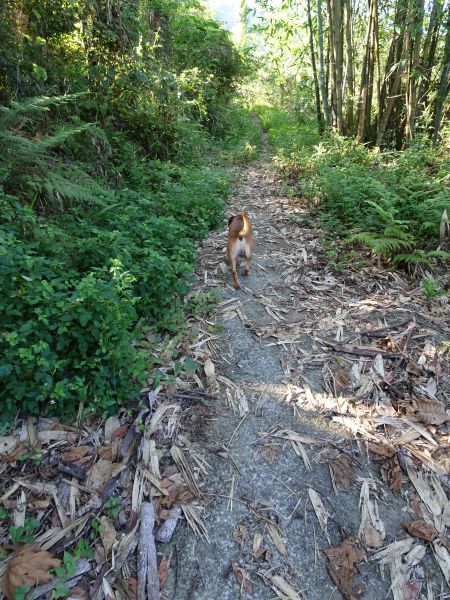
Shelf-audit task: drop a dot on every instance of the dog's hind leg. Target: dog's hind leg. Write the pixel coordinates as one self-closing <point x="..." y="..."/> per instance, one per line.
<point x="235" y="276"/>
<point x="232" y="258"/>
<point x="248" y="262"/>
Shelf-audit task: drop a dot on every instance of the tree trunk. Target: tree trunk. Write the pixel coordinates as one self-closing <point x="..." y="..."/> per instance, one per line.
<point x="338" y="40"/>
<point x="429" y="52"/>
<point x="365" y="76"/>
<point x="392" y="73"/>
<point x="443" y="84"/>
<point x="378" y="65"/>
<point x="322" y="80"/>
<point x="371" y="68"/>
<point x="332" y="62"/>
<point x="413" y="79"/>
<point x="349" y="67"/>
<point x="314" y="69"/>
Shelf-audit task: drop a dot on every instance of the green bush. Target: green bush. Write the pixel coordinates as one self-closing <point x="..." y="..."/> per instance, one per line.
<point x="113" y="117"/>
<point x="390" y="202"/>
<point x="83" y="266"/>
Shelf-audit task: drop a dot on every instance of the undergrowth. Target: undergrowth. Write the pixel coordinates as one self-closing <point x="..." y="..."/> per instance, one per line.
<point x="391" y="202"/>
<point x="97" y="245"/>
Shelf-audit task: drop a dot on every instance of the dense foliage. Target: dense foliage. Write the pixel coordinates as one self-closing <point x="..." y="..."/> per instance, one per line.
<point x="391" y="202"/>
<point x="107" y="183"/>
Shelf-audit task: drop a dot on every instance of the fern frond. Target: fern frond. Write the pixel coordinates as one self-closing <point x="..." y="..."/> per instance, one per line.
<point x="20" y="111"/>
<point x="381" y="244"/>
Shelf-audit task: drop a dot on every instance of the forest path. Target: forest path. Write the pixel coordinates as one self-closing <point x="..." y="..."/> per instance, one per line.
<point x="274" y="439"/>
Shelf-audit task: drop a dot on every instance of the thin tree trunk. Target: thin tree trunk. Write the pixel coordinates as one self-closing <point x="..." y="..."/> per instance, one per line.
<point x="443" y="84"/>
<point x="332" y="62"/>
<point x="371" y="68"/>
<point x="413" y="80"/>
<point x="392" y="73"/>
<point x="429" y="51"/>
<point x="338" y="40"/>
<point x="393" y="94"/>
<point x="378" y="65"/>
<point x="365" y="74"/>
<point x="322" y="80"/>
<point x="349" y="66"/>
<point x="314" y="69"/>
<point x="393" y="55"/>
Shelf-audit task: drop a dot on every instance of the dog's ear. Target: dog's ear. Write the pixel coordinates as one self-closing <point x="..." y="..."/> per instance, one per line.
<point x="230" y="219"/>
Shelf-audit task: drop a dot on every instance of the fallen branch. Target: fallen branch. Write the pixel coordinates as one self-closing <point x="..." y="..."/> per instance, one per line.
<point x="147" y="571"/>
<point x="382" y="331"/>
<point x="360" y="351"/>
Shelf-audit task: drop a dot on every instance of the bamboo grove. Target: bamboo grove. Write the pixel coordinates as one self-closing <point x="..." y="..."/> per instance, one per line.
<point x="380" y="69"/>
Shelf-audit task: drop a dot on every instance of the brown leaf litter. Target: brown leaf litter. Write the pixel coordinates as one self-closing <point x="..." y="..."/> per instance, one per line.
<point x="341" y="565"/>
<point x="27" y="567"/>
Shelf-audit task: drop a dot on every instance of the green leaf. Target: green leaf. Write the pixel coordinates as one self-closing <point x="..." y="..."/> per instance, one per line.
<point x="190" y="365"/>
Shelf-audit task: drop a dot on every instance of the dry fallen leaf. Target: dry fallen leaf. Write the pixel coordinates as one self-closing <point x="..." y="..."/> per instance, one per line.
<point x="11" y="448"/>
<point x="29" y="566"/>
<point x="384" y="450"/>
<point x="108" y="534"/>
<point x="341" y="567"/>
<point x="78" y="593"/>
<point x="163" y="571"/>
<point x="412" y="589"/>
<point x="421" y="530"/>
<point x="257" y="541"/>
<point x="342" y="470"/>
<point x="392" y="474"/>
<point x="321" y="514"/>
<point x="271" y="452"/>
<point x="371" y="529"/>
<point x="282" y="588"/>
<point x="78" y="455"/>
<point x="132" y="588"/>
<point x="430" y="412"/>
<point x="210" y="373"/>
<point x="341" y="380"/>
<point x="276" y="538"/>
<point x="99" y="474"/>
<point x="241" y="534"/>
<point x="443" y="558"/>
<point x="441" y="457"/>
<point x="242" y="577"/>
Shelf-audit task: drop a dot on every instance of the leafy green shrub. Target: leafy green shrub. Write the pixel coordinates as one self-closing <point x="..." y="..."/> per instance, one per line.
<point x="391" y="202"/>
<point x="80" y="275"/>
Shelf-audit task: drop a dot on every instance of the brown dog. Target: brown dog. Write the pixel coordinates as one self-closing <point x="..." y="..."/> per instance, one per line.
<point x="240" y="243"/>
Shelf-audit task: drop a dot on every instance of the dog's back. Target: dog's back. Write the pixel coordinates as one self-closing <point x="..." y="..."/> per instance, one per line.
<point x="240" y="243"/>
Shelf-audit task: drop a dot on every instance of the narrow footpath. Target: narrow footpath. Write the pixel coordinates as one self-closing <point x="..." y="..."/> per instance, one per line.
<point x="329" y="434"/>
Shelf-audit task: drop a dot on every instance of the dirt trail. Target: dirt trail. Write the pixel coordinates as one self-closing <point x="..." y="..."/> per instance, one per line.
<point x="273" y="437"/>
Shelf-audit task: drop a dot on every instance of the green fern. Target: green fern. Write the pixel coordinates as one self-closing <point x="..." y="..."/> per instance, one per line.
<point x="23" y="112"/>
<point x="385" y="244"/>
<point x="421" y="257"/>
<point x="31" y="168"/>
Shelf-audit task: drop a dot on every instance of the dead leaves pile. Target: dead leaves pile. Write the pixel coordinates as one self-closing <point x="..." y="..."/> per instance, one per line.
<point x="62" y="484"/>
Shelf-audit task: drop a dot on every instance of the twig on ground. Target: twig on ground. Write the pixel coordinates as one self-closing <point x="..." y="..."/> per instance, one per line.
<point x="147" y="571"/>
